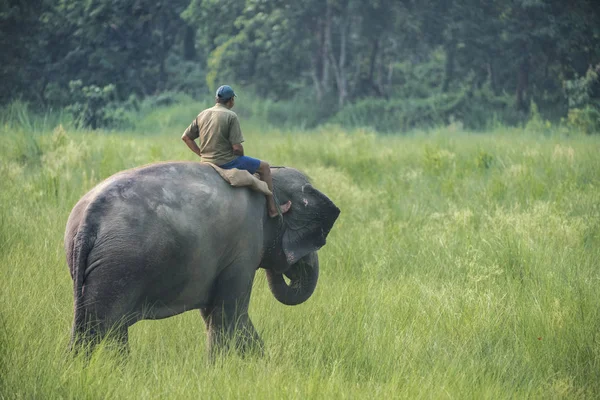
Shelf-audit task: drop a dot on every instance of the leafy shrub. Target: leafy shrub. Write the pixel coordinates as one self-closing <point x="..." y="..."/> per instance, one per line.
<point x="185" y="76"/>
<point x="56" y="95"/>
<point x="438" y="161"/>
<point x="481" y="108"/>
<point x="17" y="115"/>
<point x="584" y="109"/>
<point x="95" y="107"/>
<point x="579" y="90"/>
<point x="586" y="119"/>
<point x="300" y="113"/>
<point x="166" y="112"/>
<point x="484" y="160"/>
<point x="399" y="115"/>
<point x="469" y="106"/>
<point x="536" y="123"/>
<point x="164" y="99"/>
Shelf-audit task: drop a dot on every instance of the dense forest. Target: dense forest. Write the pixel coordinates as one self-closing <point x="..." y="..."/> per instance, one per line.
<point x="391" y="64"/>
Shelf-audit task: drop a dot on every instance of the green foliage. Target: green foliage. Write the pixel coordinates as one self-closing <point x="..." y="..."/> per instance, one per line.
<point x="481" y="108"/>
<point x="420" y="102"/>
<point x="215" y="21"/>
<point x="484" y="160"/>
<point x="16" y="114"/>
<point x="586" y="120"/>
<point x="478" y="63"/>
<point x="164" y="99"/>
<point x="579" y="90"/>
<point x="301" y="112"/>
<point x="94" y="107"/>
<point x="167" y="112"/>
<point x="219" y="65"/>
<point x="297" y="113"/>
<point x="437" y="161"/>
<point x="584" y="109"/>
<point x="402" y="115"/>
<point x="536" y="123"/>
<point x="20" y="116"/>
<point x="130" y="44"/>
<point x="398" y="115"/>
<point x="419" y="80"/>
<point x="184" y="76"/>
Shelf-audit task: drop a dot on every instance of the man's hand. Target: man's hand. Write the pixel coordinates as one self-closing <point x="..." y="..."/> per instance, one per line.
<point x="238" y="149"/>
<point x="191" y="144"/>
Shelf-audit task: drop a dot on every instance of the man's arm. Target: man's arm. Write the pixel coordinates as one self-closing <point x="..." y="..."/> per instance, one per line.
<point x="191" y="144"/>
<point x="235" y="136"/>
<point x="190" y="135"/>
<point x="238" y="149"/>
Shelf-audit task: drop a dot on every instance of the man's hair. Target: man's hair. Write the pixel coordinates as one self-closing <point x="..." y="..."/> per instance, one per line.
<point x="221" y="100"/>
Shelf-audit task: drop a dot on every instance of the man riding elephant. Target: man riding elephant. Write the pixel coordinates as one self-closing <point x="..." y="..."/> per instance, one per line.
<point x="218" y="129"/>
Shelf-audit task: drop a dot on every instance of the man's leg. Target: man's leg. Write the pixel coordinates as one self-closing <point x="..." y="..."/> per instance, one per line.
<point x="264" y="170"/>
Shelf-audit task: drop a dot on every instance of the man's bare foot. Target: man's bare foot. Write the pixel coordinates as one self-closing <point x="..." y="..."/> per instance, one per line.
<point x="284" y="208"/>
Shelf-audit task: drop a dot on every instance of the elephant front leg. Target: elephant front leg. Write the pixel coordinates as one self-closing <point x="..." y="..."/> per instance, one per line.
<point x="227" y="319"/>
<point x="226" y="327"/>
<point x="216" y="329"/>
<point x="247" y="338"/>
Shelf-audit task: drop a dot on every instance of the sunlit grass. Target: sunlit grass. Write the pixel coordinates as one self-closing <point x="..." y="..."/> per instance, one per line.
<point x="462" y="266"/>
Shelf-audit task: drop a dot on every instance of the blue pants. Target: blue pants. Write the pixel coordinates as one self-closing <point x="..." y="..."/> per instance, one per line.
<point x="243" y="162"/>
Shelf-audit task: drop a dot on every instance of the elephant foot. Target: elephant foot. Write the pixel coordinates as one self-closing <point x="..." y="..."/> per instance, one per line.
<point x="283" y="207"/>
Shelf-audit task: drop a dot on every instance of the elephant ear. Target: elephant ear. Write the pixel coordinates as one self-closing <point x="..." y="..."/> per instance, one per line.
<point x="307" y="223"/>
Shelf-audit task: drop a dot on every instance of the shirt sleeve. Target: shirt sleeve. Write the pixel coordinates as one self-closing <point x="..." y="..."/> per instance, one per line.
<point x="235" y="132"/>
<point x="192" y="131"/>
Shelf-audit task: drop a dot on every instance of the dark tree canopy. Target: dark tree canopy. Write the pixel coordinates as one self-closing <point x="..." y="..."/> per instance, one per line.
<point x="463" y="58"/>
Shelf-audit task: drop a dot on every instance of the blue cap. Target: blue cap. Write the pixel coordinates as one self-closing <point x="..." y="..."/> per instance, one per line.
<point x="225" y="92"/>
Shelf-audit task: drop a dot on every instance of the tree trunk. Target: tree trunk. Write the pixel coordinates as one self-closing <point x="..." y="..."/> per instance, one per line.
<point x="449" y="69"/>
<point x="392" y="53"/>
<point x="317" y="82"/>
<point x="342" y="64"/>
<point x="492" y="76"/>
<point x="325" y="50"/>
<point x="320" y="60"/>
<point x="372" y="65"/>
<point x="339" y="64"/>
<point x="522" y="84"/>
<point x="164" y="49"/>
<point x="189" y="44"/>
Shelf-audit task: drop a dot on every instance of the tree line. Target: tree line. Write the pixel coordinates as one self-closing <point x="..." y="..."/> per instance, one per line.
<point x="427" y="60"/>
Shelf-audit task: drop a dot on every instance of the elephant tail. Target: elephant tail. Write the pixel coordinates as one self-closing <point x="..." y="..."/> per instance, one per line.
<point x="83" y="244"/>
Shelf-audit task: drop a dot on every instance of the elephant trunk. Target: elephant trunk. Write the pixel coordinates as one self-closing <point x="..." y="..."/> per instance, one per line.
<point x="303" y="277"/>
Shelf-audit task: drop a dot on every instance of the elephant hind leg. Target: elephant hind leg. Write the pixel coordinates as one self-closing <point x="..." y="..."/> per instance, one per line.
<point x="95" y="330"/>
<point x="101" y="319"/>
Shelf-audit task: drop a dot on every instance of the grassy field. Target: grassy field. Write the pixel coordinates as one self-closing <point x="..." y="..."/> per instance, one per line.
<point x="462" y="266"/>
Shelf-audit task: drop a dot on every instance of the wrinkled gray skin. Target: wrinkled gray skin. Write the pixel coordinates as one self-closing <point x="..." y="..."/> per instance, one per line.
<point x="153" y="242"/>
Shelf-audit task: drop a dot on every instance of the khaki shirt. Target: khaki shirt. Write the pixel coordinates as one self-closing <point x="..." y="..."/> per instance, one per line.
<point x="218" y="129"/>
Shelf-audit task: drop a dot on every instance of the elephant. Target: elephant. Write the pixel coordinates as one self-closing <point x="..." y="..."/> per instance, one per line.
<point x="156" y="241"/>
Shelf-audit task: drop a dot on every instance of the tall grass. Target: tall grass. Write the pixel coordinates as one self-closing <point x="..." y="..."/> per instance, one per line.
<point x="462" y="266"/>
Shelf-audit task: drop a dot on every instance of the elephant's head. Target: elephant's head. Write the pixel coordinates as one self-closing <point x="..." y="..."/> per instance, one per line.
<point x="293" y="245"/>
